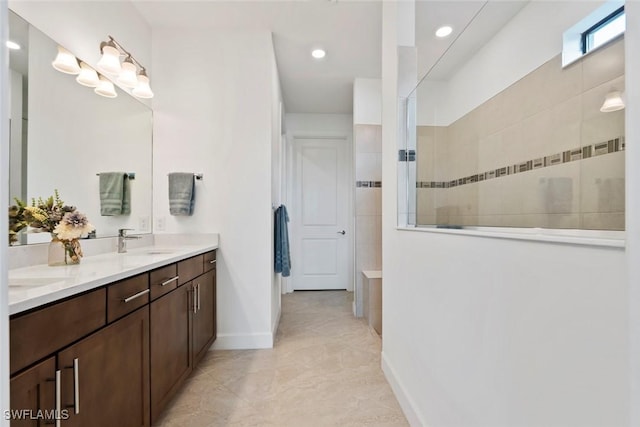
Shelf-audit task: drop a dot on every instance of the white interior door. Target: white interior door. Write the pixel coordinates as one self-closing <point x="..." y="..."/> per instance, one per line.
<point x="320" y="214"/>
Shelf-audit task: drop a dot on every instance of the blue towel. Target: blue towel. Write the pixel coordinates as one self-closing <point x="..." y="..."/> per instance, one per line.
<point x="282" y="256"/>
<point x="181" y="193"/>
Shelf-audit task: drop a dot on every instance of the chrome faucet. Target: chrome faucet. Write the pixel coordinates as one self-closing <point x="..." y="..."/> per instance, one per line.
<point x="122" y="239"/>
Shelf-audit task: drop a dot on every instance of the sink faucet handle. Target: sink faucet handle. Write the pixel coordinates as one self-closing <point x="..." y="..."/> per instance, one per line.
<point x="122" y="232"/>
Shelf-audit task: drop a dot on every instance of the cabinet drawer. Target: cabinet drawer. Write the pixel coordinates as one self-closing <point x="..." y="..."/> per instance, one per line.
<point x="45" y="331"/>
<point x="190" y="269"/>
<point x="163" y="280"/>
<point x="209" y="261"/>
<point x="126" y="296"/>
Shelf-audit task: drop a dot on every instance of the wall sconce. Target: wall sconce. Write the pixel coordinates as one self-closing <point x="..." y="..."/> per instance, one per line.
<point x="130" y="73"/>
<point x="613" y="102"/>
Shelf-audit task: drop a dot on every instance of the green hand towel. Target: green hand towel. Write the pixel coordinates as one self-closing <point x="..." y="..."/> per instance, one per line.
<point x="115" y="194"/>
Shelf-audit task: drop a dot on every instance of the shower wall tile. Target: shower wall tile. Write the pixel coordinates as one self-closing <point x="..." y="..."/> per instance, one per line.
<point x="602" y="184"/>
<point x="369" y="230"/>
<point x="542" y="119"/>
<point x="563" y="221"/>
<point x="603" y="65"/>
<point x="565" y="127"/>
<point x="426" y="203"/>
<point x="368" y="167"/>
<point x="562" y="83"/>
<point x="490" y="152"/>
<point x="490" y="198"/>
<point x="603" y="221"/>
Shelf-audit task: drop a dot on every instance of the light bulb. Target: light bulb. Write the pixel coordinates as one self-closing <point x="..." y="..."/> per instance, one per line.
<point x="88" y="76"/>
<point x="66" y="62"/>
<point x="105" y="88"/>
<point x="110" y="61"/>
<point x="143" y="90"/>
<point x="127" y="77"/>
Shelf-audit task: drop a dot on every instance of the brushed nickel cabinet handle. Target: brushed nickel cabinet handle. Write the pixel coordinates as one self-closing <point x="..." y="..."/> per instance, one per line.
<point x="58" y="398"/>
<point x="138" y="295"/>
<point x="212" y="262"/>
<point x="173" y="279"/>
<point x="76" y="385"/>
<point x="198" y="296"/>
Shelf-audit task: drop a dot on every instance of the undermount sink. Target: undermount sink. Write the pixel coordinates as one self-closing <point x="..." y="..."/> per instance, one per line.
<point x="32" y="282"/>
<point x="157" y="251"/>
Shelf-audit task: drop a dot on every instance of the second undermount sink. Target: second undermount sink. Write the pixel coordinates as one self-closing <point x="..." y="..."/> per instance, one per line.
<point x="151" y="251"/>
<point x="32" y="282"/>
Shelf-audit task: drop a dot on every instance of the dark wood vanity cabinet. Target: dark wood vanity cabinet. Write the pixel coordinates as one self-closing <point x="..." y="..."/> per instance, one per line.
<point x="183" y="327"/>
<point x="34" y="391"/>
<point x="204" y="315"/>
<point x="105" y="377"/>
<point x="115" y="363"/>
<point x="171" y="361"/>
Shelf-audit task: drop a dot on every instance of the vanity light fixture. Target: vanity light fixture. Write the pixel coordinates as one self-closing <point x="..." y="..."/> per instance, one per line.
<point x="444" y="31"/>
<point x="130" y="73"/>
<point x="105" y="88"/>
<point x="318" y="53"/>
<point x="88" y="76"/>
<point x="109" y="63"/>
<point x="127" y="77"/>
<point x="66" y="62"/>
<point x="613" y="102"/>
<point x="13" y="45"/>
<point x="143" y="90"/>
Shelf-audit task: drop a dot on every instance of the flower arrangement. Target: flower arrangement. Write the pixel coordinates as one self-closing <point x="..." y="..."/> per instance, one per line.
<point x="64" y="222"/>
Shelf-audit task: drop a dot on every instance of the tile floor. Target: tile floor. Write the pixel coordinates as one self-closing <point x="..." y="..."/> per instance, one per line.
<point x="323" y="371"/>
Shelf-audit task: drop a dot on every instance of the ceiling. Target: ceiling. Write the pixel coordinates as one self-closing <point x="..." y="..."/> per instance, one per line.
<point x="349" y="30"/>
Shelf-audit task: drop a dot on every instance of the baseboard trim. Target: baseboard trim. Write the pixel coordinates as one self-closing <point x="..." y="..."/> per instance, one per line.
<point x="406" y="403"/>
<point x="274" y="327"/>
<point x="243" y="341"/>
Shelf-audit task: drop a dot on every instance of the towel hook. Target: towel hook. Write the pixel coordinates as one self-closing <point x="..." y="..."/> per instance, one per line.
<point x="198" y="176"/>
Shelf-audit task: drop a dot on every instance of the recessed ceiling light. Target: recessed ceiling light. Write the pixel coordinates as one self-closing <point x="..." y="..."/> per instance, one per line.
<point x="318" y="53"/>
<point x="13" y="45"/>
<point x="443" y="31"/>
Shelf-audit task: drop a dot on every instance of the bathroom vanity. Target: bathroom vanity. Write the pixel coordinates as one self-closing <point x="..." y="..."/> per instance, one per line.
<point x="117" y="349"/>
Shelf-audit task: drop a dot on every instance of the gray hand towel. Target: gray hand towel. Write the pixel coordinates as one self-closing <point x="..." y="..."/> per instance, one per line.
<point x="181" y="193"/>
<point x="115" y="194"/>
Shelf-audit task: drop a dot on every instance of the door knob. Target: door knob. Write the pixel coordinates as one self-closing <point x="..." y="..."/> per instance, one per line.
<point x="342" y="232"/>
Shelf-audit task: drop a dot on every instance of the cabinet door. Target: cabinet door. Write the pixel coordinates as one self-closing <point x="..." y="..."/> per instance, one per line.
<point x="105" y="377"/>
<point x="204" y="317"/>
<point x="171" y="360"/>
<point x="32" y="393"/>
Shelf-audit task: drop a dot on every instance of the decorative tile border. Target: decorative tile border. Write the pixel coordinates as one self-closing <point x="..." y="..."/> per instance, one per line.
<point x="580" y="153"/>
<point x="368" y="184"/>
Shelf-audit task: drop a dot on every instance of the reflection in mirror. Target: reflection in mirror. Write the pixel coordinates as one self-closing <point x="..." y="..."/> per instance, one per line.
<point x="63" y="135"/>
<point x="507" y="137"/>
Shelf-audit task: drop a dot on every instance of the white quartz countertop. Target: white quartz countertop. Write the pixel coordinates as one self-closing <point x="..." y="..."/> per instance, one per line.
<point x="33" y="286"/>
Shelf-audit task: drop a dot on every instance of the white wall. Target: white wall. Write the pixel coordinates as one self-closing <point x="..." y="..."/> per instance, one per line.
<point x="4" y="225"/>
<point x="367" y="102"/>
<point x="277" y="118"/>
<point x="632" y="133"/>
<point x="213" y="114"/>
<point x="482" y="331"/>
<point x="530" y="39"/>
